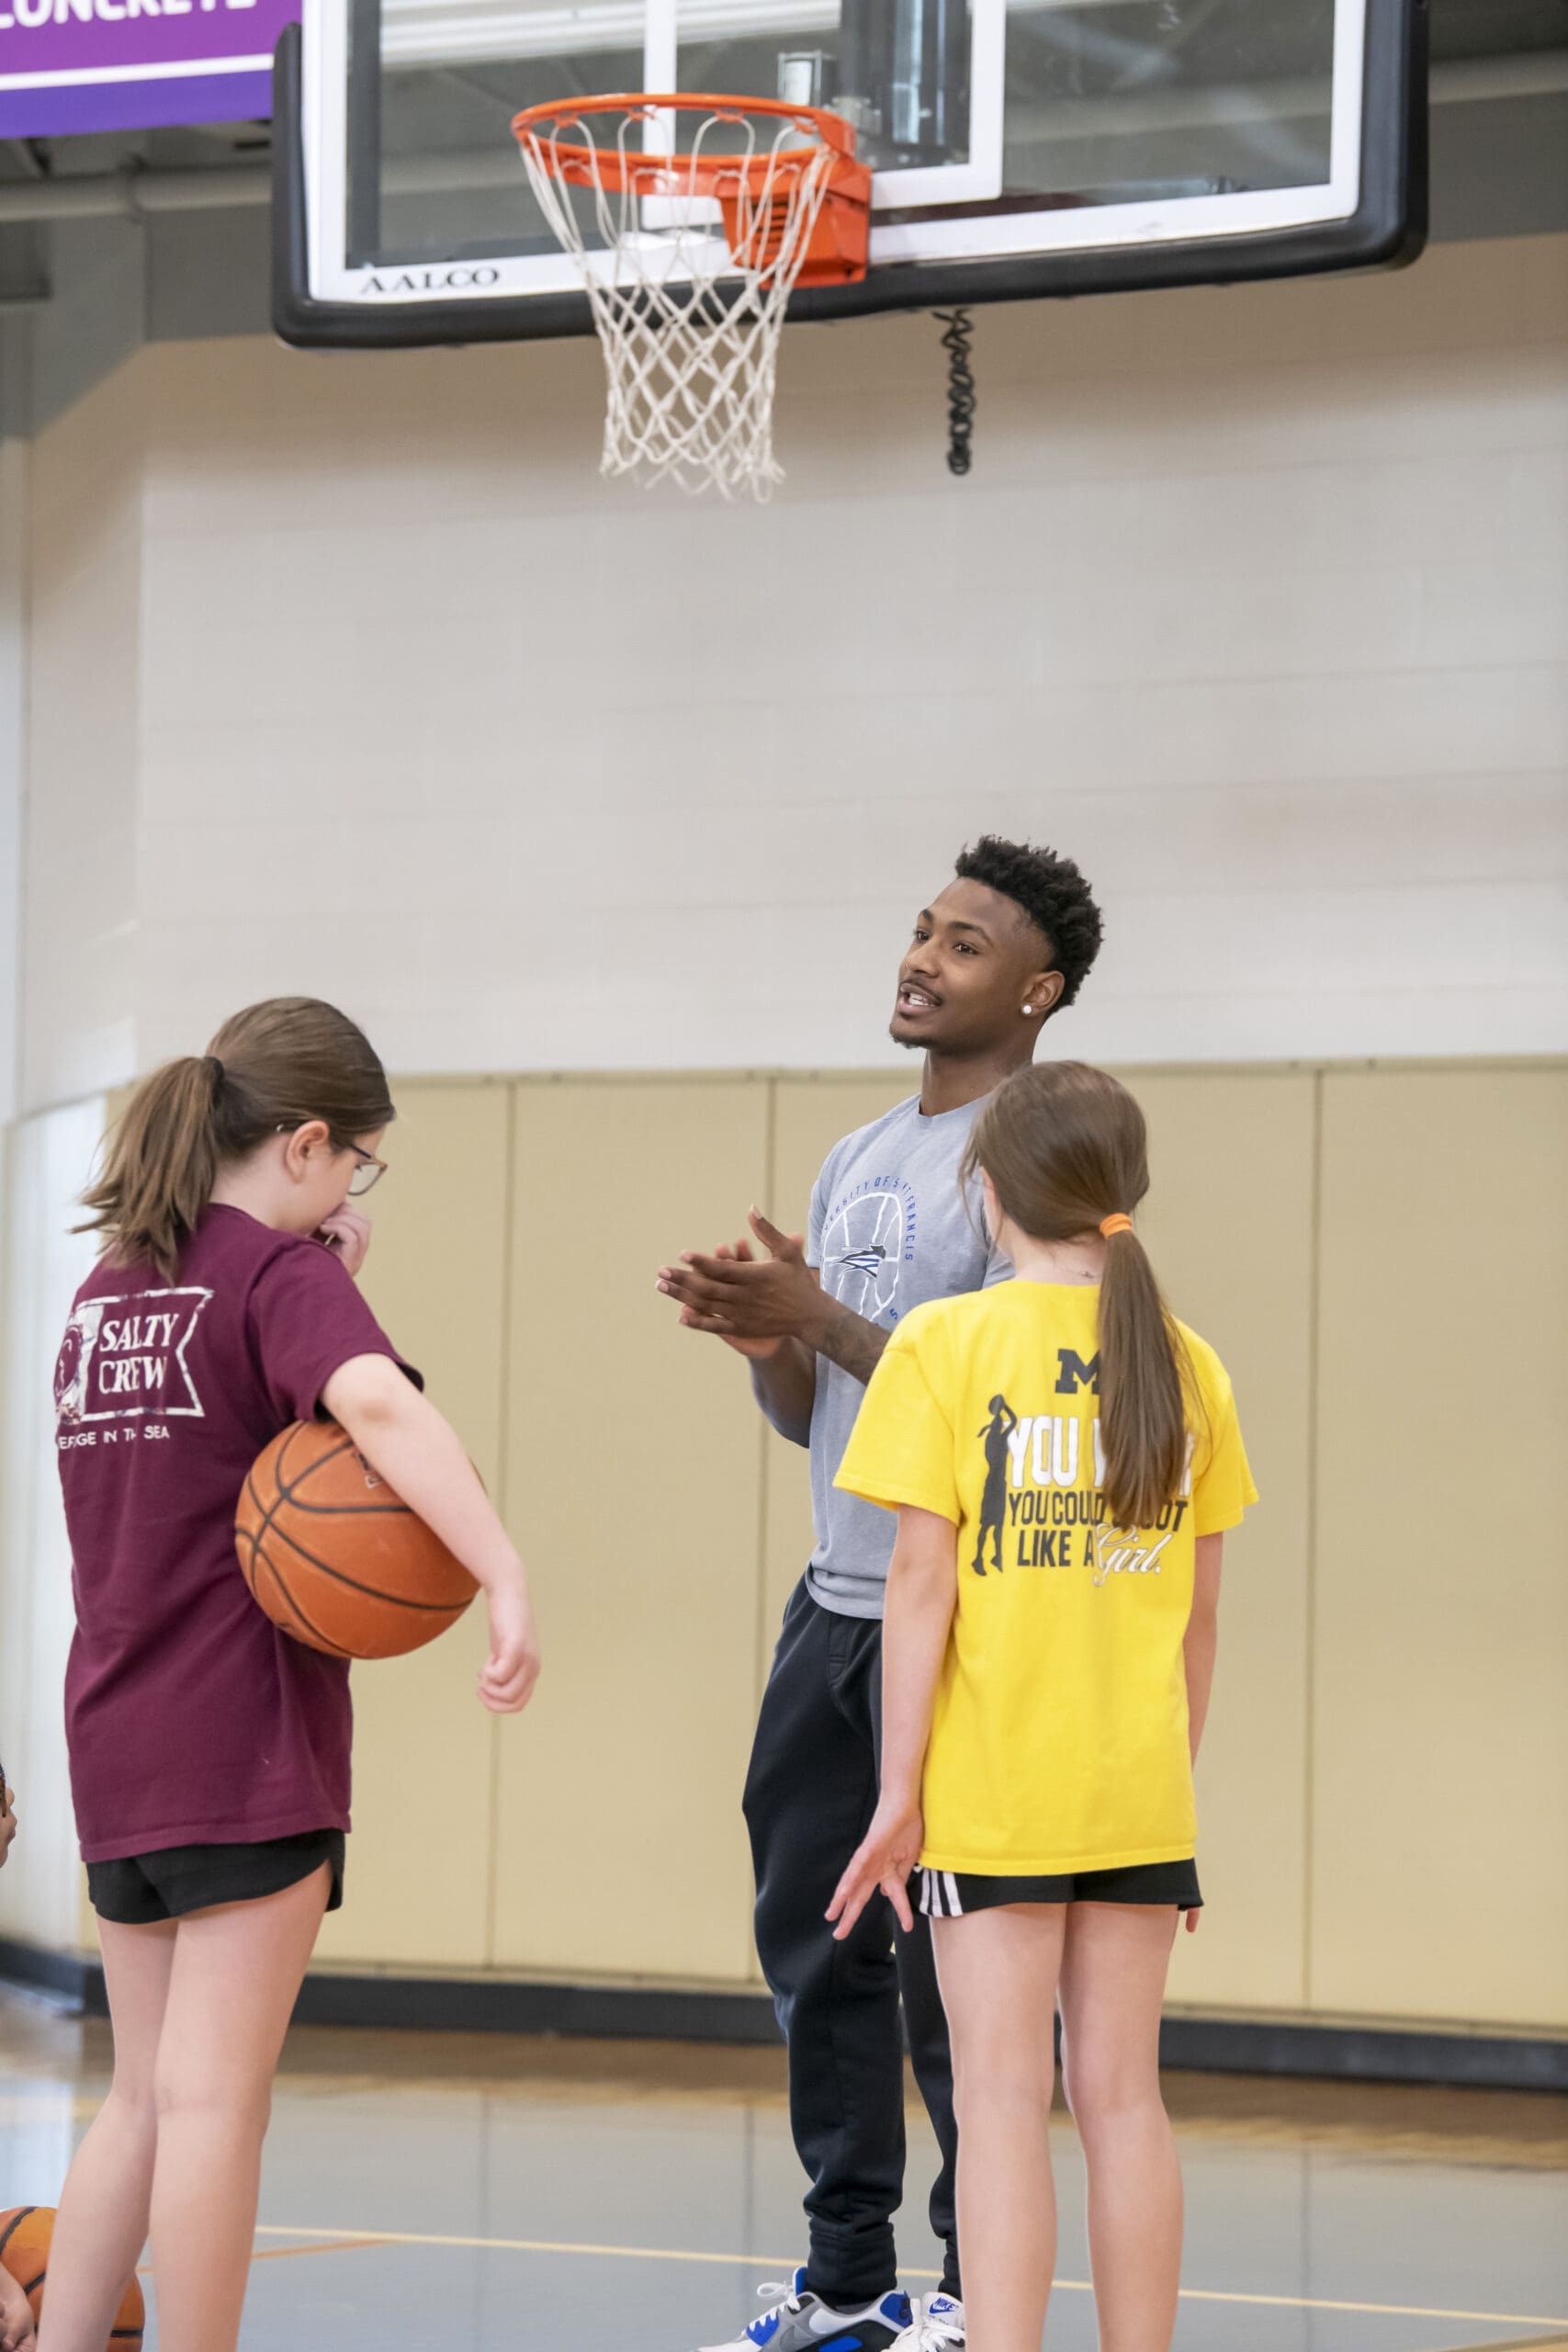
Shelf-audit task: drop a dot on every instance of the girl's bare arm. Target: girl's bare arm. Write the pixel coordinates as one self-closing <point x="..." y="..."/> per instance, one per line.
<point x="420" y="1455"/>
<point x="922" y="1593"/>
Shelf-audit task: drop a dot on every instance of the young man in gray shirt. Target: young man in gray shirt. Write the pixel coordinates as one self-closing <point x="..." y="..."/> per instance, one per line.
<point x="1006" y="944"/>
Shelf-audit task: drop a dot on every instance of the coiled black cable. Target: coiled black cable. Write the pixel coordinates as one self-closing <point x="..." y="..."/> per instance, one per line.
<point x="960" y="393"/>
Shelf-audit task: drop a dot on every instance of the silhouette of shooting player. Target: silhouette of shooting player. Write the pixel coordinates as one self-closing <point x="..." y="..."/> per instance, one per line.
<point x="994" y="1503"/>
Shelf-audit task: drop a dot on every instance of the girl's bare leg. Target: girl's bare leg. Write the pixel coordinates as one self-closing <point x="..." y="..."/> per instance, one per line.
<point x="1112" y="1983"/>
<point x="999" y="1971"/>
<point x="236" y="1971"/>
<point x="101" y="2227"/>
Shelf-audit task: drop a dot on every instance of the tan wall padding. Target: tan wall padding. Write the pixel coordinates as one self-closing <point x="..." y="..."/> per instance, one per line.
<point x="634" y="1484"/>
<point x="1440" y="1648"/>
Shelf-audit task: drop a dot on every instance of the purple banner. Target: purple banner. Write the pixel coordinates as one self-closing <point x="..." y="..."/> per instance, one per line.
<point x="68" y="66"/>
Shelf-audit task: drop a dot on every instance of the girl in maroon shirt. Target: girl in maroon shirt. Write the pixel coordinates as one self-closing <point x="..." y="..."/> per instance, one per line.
<point x="210" y="1752"/>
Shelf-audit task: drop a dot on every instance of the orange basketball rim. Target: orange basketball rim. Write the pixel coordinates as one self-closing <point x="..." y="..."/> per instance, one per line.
<point x="756" y="188"/>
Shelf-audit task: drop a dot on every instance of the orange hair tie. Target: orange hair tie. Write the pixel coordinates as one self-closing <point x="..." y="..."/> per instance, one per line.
<point x="1117" y="1224"/>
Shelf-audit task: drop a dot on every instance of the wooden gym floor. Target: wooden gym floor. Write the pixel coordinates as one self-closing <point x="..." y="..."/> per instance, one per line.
<point x="489" y="2192"/>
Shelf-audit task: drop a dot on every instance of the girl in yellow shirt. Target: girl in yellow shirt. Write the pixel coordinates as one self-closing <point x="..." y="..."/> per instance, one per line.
<point x="1063" y="1458"/>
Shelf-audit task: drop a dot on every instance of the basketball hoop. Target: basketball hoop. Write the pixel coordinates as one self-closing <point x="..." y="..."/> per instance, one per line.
<point x="700" y="251"/>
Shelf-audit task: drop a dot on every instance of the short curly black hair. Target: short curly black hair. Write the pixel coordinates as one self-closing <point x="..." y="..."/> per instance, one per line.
<point x="1051" y="892"/>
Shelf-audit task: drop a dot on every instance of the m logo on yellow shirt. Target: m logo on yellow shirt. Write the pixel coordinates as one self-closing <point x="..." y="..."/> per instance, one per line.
<point x="1073" y="1373"/>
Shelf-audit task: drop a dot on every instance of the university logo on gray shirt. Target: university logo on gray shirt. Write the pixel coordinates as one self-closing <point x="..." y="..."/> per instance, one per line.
<point x="891" y="1230"/>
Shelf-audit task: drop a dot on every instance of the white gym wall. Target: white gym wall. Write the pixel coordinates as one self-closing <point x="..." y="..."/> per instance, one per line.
<point x="1257" y="603"/>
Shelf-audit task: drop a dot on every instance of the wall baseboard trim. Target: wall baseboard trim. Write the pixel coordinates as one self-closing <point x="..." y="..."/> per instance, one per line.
<point x="1215" y="2045"/>
<point x="64" y="1975"/>
<point x="1221" y="2046"/>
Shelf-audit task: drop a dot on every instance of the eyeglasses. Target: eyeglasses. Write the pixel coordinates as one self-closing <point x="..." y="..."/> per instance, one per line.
<point x="369" y="1172"/>
<point x="364" y="1177"/>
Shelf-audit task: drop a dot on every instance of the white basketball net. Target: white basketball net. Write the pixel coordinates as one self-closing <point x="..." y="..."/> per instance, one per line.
<point x="689" y="326"/>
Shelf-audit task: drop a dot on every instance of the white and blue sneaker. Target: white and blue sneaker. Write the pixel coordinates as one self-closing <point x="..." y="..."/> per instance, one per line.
<point x="799" y="2320"/>
<point x="935" y="2326"/>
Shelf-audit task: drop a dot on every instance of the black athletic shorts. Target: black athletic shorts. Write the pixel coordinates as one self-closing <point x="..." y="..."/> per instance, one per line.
<point x="949" y="1895"/>
<point x="142" y="1889"/>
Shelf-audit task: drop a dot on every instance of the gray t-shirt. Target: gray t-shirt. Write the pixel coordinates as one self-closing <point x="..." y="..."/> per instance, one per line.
<point x="891" y="1230"/>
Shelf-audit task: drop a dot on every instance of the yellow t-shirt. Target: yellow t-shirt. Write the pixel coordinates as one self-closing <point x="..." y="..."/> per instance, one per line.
<point x="1059" y="1740"/>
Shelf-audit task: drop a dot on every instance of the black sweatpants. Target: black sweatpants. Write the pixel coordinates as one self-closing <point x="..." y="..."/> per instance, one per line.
<point x="811" y="1794"/>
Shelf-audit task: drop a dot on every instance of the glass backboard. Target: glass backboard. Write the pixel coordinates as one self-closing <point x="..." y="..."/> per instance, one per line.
<point x="1019" y="147"/>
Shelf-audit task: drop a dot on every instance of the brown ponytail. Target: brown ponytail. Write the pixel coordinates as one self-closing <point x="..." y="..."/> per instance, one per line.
<point x="1143" y="1418"/>
<point x="275" y="1065"/>
<point x="1066" y="1147"/>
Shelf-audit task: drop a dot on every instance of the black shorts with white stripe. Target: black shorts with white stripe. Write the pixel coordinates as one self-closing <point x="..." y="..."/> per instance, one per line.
<point x="951" y="1894"/>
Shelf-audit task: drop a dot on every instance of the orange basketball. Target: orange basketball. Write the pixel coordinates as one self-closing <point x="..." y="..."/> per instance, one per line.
<point x="24" y="2233"/>
<point x="335" y="1558"/>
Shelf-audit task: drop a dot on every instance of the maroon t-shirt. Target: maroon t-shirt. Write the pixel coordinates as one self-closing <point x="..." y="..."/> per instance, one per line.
<point x="191" y="1719"/>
